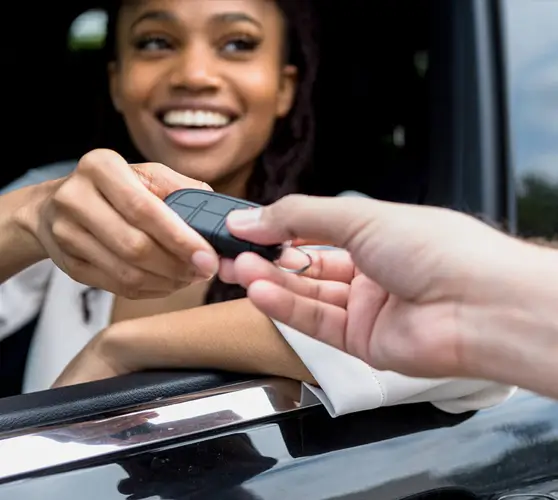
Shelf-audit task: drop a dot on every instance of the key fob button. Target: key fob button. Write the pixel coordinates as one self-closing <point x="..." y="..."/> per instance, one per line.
<point x="206" y="212"/>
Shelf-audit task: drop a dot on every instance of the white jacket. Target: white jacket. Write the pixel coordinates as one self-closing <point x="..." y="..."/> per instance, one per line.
<point x="71" y="314"/>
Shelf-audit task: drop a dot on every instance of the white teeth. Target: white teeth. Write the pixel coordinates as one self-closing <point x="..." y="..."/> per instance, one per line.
<point x="195" y="119"/>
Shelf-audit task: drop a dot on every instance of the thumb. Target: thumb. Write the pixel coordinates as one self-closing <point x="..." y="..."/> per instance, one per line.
<point x="162" y="180"/>
<point x="381" y="237"/>
<point x="339" y="221"/>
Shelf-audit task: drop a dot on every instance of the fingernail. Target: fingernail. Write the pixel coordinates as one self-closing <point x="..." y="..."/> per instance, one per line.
<point x="206" y="263"/>
<point x="245" y="218"/>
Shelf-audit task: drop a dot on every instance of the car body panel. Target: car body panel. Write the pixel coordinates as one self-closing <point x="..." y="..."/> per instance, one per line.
<point x="387" y="454"/>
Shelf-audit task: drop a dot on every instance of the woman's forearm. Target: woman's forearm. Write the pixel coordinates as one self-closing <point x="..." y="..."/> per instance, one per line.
<point x="232" y="336"/>
<point x="516" y="339"/>
<point x="18" y="247"/>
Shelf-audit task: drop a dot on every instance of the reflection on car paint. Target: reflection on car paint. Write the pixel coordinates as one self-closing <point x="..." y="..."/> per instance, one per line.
<point x="387" y="454"/>
<point x="148" y="424"/>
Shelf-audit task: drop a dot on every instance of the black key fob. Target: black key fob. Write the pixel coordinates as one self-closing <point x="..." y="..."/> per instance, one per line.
<point x="206" y="212"/>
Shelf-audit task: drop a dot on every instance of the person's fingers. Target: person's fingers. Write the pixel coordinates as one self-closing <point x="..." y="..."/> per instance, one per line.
<point x="325" y="322"/>
<point x="226" y="271"/>
<point x="403" y="248"/>
<point x="163" y="181"/>
<point x="331" y="265"/>
<point x="250" y="267"/>
<point x="136" y="193"/>
<point x="130" y="287"/>
<point x="114" y="175"/>
<point x="78" y="243"/>
<point x="97" y="225"/>
<point x="367" y="301"/>
<point x="294" y="217"/>
<point x="299" y="242"/>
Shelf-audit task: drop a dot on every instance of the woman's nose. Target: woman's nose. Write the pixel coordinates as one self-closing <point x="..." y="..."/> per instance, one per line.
<point x="196" y="70"/>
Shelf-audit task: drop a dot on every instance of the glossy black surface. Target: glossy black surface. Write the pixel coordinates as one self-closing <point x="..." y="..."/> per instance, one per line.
<point x="206" y="212"/>
<point x="82" y="401"/>
<point x="386" y="454"/>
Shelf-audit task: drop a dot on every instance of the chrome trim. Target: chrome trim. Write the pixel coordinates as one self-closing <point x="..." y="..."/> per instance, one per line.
<point x="42" y="448"/>
<point x="529" y="496"/>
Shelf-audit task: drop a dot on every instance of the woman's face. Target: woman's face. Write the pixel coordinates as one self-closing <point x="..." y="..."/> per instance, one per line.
<point x="200" y="84"/>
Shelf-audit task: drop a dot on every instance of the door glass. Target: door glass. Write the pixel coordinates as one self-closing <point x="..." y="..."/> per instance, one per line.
<point x="531" y="42"/>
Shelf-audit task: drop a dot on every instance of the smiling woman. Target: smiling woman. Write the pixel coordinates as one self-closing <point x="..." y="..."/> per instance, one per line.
<point x="175" y="65"/>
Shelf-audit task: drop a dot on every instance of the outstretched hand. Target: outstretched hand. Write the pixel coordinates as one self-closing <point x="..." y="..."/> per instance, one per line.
<point x="400" y="293"/>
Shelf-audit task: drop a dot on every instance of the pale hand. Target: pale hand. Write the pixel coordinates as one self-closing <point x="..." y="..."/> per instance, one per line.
<point x="397" y="298"/>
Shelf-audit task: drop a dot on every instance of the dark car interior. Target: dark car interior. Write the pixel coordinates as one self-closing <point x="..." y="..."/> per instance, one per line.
<point x="387" y="94"/>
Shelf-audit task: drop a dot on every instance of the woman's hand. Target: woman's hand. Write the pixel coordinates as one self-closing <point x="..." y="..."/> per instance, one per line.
<point x="106" y="226"/>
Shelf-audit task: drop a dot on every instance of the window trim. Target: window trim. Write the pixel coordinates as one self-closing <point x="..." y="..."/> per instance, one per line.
<point x="163" y="420"/>
<point x="470" y="157"/>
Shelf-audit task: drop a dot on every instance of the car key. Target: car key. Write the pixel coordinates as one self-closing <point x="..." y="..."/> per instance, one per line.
<point x="206" y="212"/>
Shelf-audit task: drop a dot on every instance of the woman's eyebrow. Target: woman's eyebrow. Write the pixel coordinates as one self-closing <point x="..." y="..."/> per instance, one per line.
<point x="235" y="17"/>
<point x="222" y="18"/>
<point x="154" y="15"/>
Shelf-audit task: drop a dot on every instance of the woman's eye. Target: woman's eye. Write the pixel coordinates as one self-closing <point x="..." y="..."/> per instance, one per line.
<point x="152" y="44"/>
<point x="240" y="45"/>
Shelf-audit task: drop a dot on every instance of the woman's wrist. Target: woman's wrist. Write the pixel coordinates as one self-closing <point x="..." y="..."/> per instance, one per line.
<point x="511" y="332"/>
<point x="18" y="220"/>
<point x="27" y="217"/>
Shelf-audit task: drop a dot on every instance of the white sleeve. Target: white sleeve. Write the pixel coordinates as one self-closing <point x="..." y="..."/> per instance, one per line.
<point x="347" y="384"/>
<point x="22" y="295"/>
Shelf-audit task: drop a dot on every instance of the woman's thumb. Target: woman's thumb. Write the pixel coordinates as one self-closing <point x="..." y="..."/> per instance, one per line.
<point x="162" y="180"/>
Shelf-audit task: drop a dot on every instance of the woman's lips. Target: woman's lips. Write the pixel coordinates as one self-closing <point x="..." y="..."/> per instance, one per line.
<point x="199" y="127"/>
<point x="197" y="138"/>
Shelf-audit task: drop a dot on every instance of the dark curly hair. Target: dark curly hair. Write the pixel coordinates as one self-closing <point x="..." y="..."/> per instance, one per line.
<point x="287" y="160"/>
